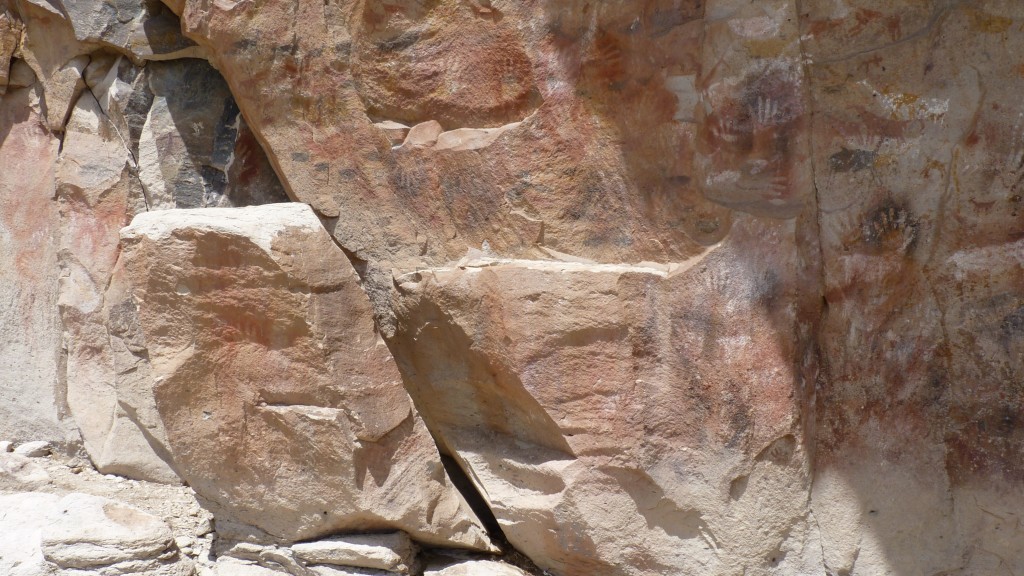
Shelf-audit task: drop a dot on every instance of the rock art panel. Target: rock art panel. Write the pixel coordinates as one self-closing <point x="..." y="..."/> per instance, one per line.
<point x="266" y="357"/>
<point x="32" y="399"/>
<point x="592" y="109"/>
<point x="753" y="151"/>
<point x="917" y="155"/>
<point x="626" y="419"/>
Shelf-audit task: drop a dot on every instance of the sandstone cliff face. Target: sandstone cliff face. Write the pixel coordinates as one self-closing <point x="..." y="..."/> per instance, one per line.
<point x="671" y="286"/>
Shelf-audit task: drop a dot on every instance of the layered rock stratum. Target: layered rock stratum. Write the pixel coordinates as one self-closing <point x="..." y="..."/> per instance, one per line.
<point x="477" y="287"/>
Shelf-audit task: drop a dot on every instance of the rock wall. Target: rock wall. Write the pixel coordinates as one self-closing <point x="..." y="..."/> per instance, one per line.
<point x="629" y="287"/>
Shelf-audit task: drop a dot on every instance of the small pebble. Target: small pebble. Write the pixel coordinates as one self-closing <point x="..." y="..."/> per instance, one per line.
<point x="6" y="446"/>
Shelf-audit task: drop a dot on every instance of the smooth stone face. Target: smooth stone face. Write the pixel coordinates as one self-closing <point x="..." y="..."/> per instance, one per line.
<point x="265" y="357"/>
<point x="23" y="516"/>
<point x="88" y="531"/>
<point x="167" y="135"/>
<point x="473" y="568"/>
<point x="393" y="552"/>
<point x="36" y="449"/>
<point x="97" y="196"/>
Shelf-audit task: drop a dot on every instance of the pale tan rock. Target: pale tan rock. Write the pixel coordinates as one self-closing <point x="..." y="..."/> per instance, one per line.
<point x="32" y="403"/>
<point x="21" y="76"/>
<point x="265" y="356"/>
<point x="20" y="473"/>
<point x="98" y="196"/>
<point x="395" y="131"/>
<point x="423" y="135"/>
<point x="90" y="532"/>
<point x="647" y="412"/>
<point x="393" y="552"/>
<point x="56" y="57"/>
<point x="470" y="138"/>
<point x="473" y="568"/>
<point x="49" y="535"/>
<point x="34" y="449"/>
<point x="23" y="515"/>
<point x="210" y="162"/>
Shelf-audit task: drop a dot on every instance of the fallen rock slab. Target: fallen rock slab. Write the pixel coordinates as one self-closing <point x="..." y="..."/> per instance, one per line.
<point x="473" y="568"/>
<point x="394" y="552"/>
<point x="36" y="449"/>
<point x="21" y="472"/>
<point x="284" y="410"/>
<point x="649" y="412"/>
<point x="87" y="531"/>
<point x="48" y="535"/>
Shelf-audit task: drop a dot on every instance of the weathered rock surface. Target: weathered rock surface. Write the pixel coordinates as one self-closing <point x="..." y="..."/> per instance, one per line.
<point x="46" y="535"/>
<point x="20" y="473"/>
<point x="393" y="552"/>
<point x="123" y="154"/>
<point x="266" y="357"/>
<point x="124" y="137"/>
<point x="473" y="568"/>
<point x="32" y="399"/>
<point x="561" y="122"/>
<point x="918" y="148"/>
<point x="626" y="419"/>
<point x="739" y="289"/>
<point x="35" y="449"/>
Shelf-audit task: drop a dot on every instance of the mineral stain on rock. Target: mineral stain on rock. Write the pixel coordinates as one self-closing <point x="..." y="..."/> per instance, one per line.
<point x="629" y="287"/>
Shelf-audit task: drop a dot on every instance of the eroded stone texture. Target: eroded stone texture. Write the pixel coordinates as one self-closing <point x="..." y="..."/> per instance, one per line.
<point x="136" y="140"/>
<point x="32" y="405"/>
<point x="594" y="104"/>
<point x="283" y="407"/>
<point x="143" y="29"/>
<point x="626" y="419"/>
<point x="918" y="148"/>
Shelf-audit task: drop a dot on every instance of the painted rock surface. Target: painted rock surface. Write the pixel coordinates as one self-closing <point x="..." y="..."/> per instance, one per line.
<point x="283" y="407"/>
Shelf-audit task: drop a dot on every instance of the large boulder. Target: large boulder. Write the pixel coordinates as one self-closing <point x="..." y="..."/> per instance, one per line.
<point x="123" y="153"/>
<point x="627" y="419"/>
<point x="283" y="408"/>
